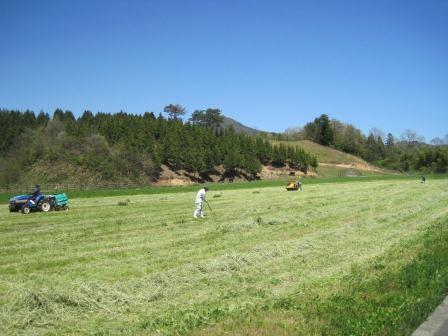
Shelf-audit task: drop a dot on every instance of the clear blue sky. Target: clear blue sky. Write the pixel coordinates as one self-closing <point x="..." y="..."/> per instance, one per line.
<point x="267" y="64"/>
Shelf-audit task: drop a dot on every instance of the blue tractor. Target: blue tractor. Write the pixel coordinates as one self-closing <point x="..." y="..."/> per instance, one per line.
<point x="26" y="204"/>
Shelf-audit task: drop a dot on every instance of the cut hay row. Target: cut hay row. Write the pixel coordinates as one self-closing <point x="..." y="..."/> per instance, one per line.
<point x="149" y="267"/>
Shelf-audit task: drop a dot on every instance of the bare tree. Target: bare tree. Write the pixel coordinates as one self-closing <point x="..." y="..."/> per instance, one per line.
<point x="293" y="130"/>
<point x="377" y="133"/>
<point x="437" y="141"/>
<point x="411" y="137"/>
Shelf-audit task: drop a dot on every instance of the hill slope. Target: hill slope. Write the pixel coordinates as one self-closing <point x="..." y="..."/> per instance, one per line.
<point x="333" y="162"/>
<point x="238" y="127"/>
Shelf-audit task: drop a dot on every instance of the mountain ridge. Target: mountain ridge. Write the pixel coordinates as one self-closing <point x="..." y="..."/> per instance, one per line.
<point x="239" y="127"/>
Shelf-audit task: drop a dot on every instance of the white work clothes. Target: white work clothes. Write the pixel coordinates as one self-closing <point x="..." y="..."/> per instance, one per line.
<point x="198" y="211"/>
<point x="200" y="196"/>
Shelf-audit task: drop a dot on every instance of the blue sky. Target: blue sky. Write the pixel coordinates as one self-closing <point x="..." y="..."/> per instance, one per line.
<point x="268" y="64"/>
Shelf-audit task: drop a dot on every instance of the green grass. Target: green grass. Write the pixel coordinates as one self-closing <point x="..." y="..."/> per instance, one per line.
<point x="328" y="177"/>
<point x="265" y="262"/>
<point x="390" y="295"/>
<point x="325" y="154"/>
<point x="329" y="171"/>
<point x="333" y="162"/>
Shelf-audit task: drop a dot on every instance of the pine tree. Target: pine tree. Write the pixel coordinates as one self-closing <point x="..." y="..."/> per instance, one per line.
<point x="42" y="118"/>
<point x="175" y="111"/>
<point x="390" y="141"/>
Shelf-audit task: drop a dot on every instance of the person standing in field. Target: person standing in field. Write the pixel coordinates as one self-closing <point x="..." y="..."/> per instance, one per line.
<point x="200" y="198"/>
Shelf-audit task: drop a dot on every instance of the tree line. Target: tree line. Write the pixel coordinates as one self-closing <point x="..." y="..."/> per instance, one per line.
<point x="409" y="153"/>
<point x="130" y="147"/>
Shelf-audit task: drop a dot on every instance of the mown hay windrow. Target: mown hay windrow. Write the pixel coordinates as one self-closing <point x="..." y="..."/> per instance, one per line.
<point x="151" y="267"/>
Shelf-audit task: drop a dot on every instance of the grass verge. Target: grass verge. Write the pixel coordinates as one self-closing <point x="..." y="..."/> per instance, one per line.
<point x="392" y="295"/>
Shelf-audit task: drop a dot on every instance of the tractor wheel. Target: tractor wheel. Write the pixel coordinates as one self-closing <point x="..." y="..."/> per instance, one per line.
<point x="65" y="208"/>
<point x="26" y="209"/>
<point x="45" y="206"/>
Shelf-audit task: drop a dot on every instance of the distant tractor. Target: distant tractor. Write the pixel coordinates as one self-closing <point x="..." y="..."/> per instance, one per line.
<point x="44" y="203"/>
<point x="293" y="185"/>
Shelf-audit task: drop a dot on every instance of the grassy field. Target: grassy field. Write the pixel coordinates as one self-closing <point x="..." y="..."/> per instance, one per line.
<point x="332" y="177"/>
<point x="329" y="171"/>
<point x="324" y="153"/>
<point x="335" y="162"/>
<point x="364" y="256"/>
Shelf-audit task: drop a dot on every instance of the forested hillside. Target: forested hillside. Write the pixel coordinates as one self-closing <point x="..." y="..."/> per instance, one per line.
<point x="408" y="153"/>
<point x="130" y="148"/>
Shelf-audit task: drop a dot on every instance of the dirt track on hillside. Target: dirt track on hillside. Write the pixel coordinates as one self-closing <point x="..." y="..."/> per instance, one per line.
<point x="358" y="166"/>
